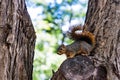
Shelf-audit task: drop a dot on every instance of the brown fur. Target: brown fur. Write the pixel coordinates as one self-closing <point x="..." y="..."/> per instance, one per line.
<point x="82" y="45"/>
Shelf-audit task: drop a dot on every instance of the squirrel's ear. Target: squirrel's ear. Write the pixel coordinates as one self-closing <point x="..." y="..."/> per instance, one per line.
<point x="53" y="71"/>
<point x="62" y="45"/>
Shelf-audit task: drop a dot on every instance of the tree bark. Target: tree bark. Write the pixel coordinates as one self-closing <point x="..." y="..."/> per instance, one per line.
<point x="77" y="68"/>
<point x="103" y="20"/>
<point x="17" y="41"/>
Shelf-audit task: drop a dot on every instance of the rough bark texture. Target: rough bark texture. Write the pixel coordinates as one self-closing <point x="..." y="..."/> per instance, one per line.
<point x="17" y="41"/>
<point x="102" y="19"/>
<point x="77" y="68"/>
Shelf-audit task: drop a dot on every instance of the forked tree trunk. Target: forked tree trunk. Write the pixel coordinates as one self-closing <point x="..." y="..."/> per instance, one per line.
<point x="103" y="20"/>
<point x="17" y="41"/>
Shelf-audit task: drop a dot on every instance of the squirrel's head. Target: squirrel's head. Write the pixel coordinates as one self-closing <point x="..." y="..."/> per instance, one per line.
<point x="61" y="50"/>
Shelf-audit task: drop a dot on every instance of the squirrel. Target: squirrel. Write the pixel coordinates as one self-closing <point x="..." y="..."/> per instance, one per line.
<point x="84" y="42"/>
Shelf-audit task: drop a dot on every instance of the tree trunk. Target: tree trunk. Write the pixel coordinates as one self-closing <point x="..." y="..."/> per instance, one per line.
<point x="103" y="20"/>
<point x="17" y="41"/>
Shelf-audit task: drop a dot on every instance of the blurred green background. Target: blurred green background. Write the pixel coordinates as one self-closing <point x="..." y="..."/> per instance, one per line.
<point x="51" y="20"/>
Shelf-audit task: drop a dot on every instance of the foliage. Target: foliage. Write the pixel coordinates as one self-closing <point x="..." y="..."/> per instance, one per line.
<point x="50" y="18"/>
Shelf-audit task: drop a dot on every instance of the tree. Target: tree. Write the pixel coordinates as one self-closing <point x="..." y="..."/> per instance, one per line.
<point x="102" y="19"/>
<point x="104" y="23"/>
<point x="17" y="41"/>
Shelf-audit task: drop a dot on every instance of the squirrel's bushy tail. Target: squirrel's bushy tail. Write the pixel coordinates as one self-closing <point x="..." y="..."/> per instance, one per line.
<point x="78" y="34"/>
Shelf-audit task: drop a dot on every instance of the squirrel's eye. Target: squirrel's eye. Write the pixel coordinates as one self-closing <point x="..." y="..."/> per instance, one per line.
<point x="60" y="49"/>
